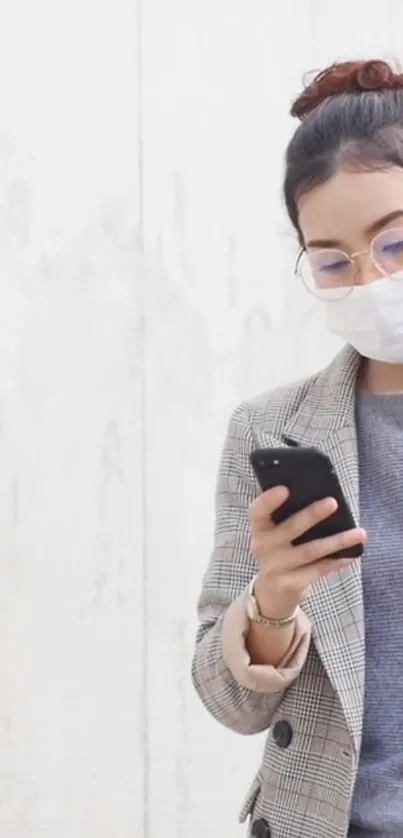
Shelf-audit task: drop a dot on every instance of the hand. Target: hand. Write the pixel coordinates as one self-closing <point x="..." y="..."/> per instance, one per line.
<point x="286" y="572"/>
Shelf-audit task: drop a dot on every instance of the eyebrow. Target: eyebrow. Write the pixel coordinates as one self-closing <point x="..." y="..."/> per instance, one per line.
<point x="375" y="227"/>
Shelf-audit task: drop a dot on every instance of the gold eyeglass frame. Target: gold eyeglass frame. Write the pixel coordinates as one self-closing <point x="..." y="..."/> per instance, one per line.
<point x="349" y="257"/>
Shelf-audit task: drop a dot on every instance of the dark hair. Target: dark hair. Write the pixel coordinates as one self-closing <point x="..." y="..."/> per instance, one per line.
<point x="351" y="114"/>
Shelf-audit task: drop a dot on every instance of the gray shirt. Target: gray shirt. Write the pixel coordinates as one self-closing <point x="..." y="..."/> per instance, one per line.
<point x="377" y="808"/>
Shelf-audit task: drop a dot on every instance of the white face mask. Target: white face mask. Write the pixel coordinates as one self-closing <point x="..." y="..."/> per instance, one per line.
<point x="370" y="318"/>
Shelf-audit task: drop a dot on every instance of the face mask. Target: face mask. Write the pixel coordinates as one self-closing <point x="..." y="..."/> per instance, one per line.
<point x="370" y="318"/>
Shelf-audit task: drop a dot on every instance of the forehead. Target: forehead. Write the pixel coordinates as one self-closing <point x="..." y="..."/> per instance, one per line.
<point x="345" y="206"/>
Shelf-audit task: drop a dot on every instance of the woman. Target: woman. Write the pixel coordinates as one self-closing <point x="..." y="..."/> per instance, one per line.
<point x="323" y="673"/>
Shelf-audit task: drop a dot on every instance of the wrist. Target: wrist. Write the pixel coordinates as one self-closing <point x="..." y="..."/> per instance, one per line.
<point x="270" y="603"/>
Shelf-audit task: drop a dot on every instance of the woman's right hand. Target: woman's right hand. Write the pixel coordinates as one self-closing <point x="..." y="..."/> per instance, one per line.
<point x="286" y="572"/>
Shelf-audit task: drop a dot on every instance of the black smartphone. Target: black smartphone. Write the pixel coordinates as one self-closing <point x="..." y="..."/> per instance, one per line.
<point x="309" y="476"/>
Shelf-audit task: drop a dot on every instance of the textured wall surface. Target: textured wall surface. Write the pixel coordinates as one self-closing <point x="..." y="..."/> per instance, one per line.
<point x="71" y="366"/>
<point x="146" y="286"/>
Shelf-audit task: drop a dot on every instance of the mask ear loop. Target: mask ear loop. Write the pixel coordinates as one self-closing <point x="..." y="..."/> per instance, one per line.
<point x="298" y="262"/>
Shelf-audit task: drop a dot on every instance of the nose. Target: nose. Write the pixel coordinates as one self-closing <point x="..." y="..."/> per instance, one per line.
<point x="365" y="269"/>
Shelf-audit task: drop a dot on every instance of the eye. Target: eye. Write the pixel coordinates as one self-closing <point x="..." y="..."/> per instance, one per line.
<point x="334" y="267"/>
<point x="393" y="247"/>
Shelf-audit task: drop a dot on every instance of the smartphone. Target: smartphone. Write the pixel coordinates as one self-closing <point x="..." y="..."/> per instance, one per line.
<point x="309" y="476"/>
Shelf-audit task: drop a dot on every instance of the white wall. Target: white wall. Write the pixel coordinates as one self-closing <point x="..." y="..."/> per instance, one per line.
<point x="118" y="372"/>
<point x="71" y="525"/>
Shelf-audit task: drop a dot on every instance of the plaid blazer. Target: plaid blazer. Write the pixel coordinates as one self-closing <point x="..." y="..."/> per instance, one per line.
<point x="304" y="789"/>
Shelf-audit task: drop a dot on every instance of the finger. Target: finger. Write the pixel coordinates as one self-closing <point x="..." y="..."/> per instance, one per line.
<point x="302" y="521"/>
<point x="307" y="576"/>
<point x="262" y="508"/>
<point x="320" y="548"/>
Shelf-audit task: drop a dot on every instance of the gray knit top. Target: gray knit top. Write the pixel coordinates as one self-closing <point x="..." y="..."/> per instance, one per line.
<point x="377" y="808"/>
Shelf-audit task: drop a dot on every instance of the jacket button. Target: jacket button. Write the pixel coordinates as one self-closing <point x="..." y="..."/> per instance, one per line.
<point x="282" y="734"/>
<point x="261" y="829"/>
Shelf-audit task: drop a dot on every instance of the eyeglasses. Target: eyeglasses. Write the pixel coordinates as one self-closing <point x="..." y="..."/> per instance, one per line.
<point x="324" y="270"/>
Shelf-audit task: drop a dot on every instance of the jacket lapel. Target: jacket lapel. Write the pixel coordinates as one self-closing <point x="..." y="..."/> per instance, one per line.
<point x="326" y="420"/>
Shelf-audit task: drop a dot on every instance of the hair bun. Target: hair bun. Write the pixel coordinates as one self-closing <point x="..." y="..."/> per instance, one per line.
<point x="346" y="77"/>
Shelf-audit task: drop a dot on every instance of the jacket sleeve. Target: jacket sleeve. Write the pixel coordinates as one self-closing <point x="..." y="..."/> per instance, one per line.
<point x="241" y="696"/>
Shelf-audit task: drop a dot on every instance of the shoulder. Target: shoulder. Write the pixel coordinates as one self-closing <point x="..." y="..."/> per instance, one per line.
<point x="306" y="409"/>
<point x="271" y="411"/>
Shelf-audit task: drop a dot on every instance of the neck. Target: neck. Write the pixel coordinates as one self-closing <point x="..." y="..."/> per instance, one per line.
<point x="377" y="377"/>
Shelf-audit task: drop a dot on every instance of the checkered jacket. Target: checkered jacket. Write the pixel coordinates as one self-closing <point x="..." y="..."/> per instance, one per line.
<point x="304" y="789"/>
